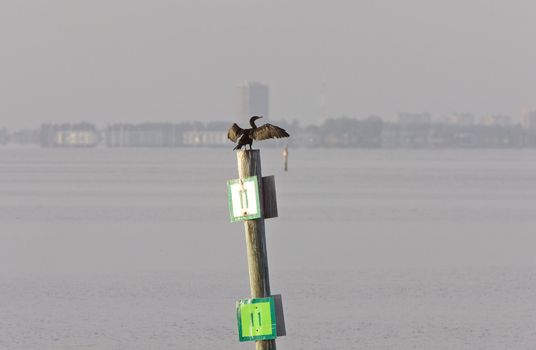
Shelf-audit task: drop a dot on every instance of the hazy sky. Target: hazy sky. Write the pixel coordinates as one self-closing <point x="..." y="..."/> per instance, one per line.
<point x="131" y="60"/>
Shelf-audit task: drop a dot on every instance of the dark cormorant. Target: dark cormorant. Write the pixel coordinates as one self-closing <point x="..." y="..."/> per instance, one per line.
<point x="267" y="131"/>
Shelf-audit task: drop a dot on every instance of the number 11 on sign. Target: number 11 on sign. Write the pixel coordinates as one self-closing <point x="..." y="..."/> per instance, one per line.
<point x="256" y="319"/>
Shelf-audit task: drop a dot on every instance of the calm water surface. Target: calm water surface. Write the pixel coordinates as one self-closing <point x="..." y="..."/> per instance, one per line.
<point x="389" y="249"/>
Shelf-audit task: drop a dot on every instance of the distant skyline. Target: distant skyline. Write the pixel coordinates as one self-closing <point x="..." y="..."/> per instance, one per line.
<point x="252" y="98"/>
<point x="137" y="61"/>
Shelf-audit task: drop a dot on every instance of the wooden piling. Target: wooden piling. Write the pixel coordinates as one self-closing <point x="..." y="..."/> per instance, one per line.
<point x="285" y="156"/>
<point x="249" y="164"/>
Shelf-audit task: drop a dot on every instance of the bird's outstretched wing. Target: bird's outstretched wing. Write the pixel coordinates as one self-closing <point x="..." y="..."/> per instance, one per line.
<point x="234" y="132"/>
<point x="268" y="131"/>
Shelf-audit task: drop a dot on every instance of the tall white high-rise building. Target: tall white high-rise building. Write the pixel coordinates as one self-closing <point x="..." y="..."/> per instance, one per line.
<point x="252" y="98"/>
<point x="528" y="119"/>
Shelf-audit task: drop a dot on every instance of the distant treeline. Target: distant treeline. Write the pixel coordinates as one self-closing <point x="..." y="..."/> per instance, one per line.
<point x="371" y="132"/>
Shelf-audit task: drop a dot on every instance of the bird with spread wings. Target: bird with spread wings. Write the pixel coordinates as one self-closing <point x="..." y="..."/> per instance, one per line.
<point x="246" y="136"/>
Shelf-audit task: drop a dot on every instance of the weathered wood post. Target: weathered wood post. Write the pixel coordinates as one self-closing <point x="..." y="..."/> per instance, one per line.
<point x="252" y="199"/>
<point x="249" y="164"/>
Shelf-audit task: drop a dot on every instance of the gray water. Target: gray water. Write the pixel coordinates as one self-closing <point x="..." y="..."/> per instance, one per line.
<point x="389" y="249"/>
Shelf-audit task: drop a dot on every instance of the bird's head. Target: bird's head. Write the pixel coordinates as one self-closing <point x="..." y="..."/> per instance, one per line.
<point x="252" y="121"/>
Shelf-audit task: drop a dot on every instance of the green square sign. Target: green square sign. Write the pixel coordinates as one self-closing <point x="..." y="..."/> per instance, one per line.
<point x="256" y="319"/>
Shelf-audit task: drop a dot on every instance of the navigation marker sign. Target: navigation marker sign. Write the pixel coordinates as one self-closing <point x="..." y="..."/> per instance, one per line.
<point x="256" y="319"/>
<point x="244" y="203"/>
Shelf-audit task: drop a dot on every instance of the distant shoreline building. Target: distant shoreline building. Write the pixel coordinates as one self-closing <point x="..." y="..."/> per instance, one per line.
<point x="69" y="135"/>
<point x="143" y="135"/>
<point x="252" y="98"/>
<point x="465" y="119"/>
<point x="528" y="122"/>
<point x="205" y="138"/>
<point x="500" y="120"/>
